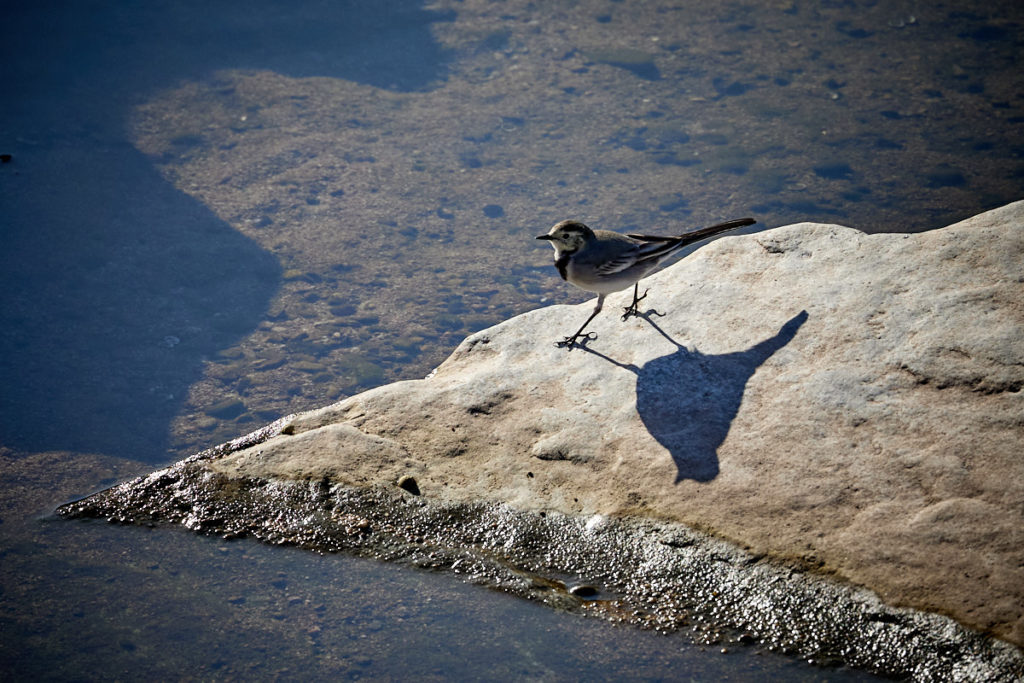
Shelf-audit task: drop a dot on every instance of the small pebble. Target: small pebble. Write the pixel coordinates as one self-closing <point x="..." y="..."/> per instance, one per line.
<point x="583" y="591"/>
<point x="409" y="484"/>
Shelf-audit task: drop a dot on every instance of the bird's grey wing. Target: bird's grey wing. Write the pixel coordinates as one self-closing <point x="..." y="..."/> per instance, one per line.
<point x="650" y="238"/>
<point x="621" y="262"/>
<point x="655" y="247"/>
<point x="655" y="251"/>
<point x="640" y="253"/>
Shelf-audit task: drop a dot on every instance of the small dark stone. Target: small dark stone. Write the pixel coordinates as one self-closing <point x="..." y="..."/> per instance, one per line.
<point x="989" y="32"/>
<point x="308" y="366"/>
<point x="945" y="176"/>
<point x="727" y="89"/>
<point x="583" y="591"/>
<point x="228" y="409"/>
<point x="858" y="33"/>
<point x="713" y="138"/>
<point x="673" y="205"/>
<point x="493" y="211"/>
<point x="836" y="171"/>
<point x="5" y="158"/>
<point x="679" y="542"/>
<point x="342" y="310"/>
<point x="409" y="484"/>
<point x="885" y="143"/>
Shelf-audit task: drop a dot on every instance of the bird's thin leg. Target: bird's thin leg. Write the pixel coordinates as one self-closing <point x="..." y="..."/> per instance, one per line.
<point x="633" y="309"/>
<point x="570" y="342"/>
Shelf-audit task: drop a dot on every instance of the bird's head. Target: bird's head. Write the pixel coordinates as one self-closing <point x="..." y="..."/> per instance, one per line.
<point x="568" y="236"/>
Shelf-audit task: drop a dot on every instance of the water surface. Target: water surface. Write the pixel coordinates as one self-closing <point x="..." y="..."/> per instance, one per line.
<point x="217" y="215"/>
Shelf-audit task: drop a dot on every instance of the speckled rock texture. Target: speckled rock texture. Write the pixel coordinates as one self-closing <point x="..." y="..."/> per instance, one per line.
<point x="852" y="402"/>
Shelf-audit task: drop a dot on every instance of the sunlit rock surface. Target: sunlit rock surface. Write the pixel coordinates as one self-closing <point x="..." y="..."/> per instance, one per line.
<point x="845" y="403"/>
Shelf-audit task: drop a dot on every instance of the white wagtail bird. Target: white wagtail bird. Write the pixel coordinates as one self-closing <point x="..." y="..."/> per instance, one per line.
<point x="602" y="261"/>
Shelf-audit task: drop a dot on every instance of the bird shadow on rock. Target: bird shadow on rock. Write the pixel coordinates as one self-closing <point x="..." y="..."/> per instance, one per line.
<point x="687" y="400"/>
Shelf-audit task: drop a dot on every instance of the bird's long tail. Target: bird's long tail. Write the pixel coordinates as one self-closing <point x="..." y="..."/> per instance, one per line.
<point x="698" y="235"/>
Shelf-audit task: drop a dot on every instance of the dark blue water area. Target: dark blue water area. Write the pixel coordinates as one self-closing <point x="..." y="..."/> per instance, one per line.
<point x="119" y="289"/>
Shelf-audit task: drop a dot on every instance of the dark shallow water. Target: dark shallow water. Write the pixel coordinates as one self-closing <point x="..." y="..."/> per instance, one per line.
<point x="214" y="215"/>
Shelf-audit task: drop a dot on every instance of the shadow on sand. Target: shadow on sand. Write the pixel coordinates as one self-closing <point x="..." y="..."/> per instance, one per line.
<point x="687" y="399"/>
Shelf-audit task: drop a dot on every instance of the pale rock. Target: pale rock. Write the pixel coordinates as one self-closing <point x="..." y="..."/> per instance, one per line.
<point x="851" y="402"/>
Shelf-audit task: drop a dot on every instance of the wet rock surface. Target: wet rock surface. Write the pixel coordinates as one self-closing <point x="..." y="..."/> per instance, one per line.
<point x="844" y="408"/>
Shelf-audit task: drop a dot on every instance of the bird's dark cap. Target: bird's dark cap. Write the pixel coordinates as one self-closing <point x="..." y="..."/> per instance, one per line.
<point x="567" y="226"/>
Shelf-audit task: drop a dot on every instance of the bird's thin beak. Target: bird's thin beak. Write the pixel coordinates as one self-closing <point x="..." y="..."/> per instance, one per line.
<point x="545" y="237"/>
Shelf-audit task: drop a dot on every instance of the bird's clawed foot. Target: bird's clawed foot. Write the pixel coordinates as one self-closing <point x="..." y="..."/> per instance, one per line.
<point x="571" y="342"/>
<point x="634" y="308"/>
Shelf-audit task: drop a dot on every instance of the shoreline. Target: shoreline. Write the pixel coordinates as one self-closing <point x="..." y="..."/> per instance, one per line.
<point x="641" y="572"/>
